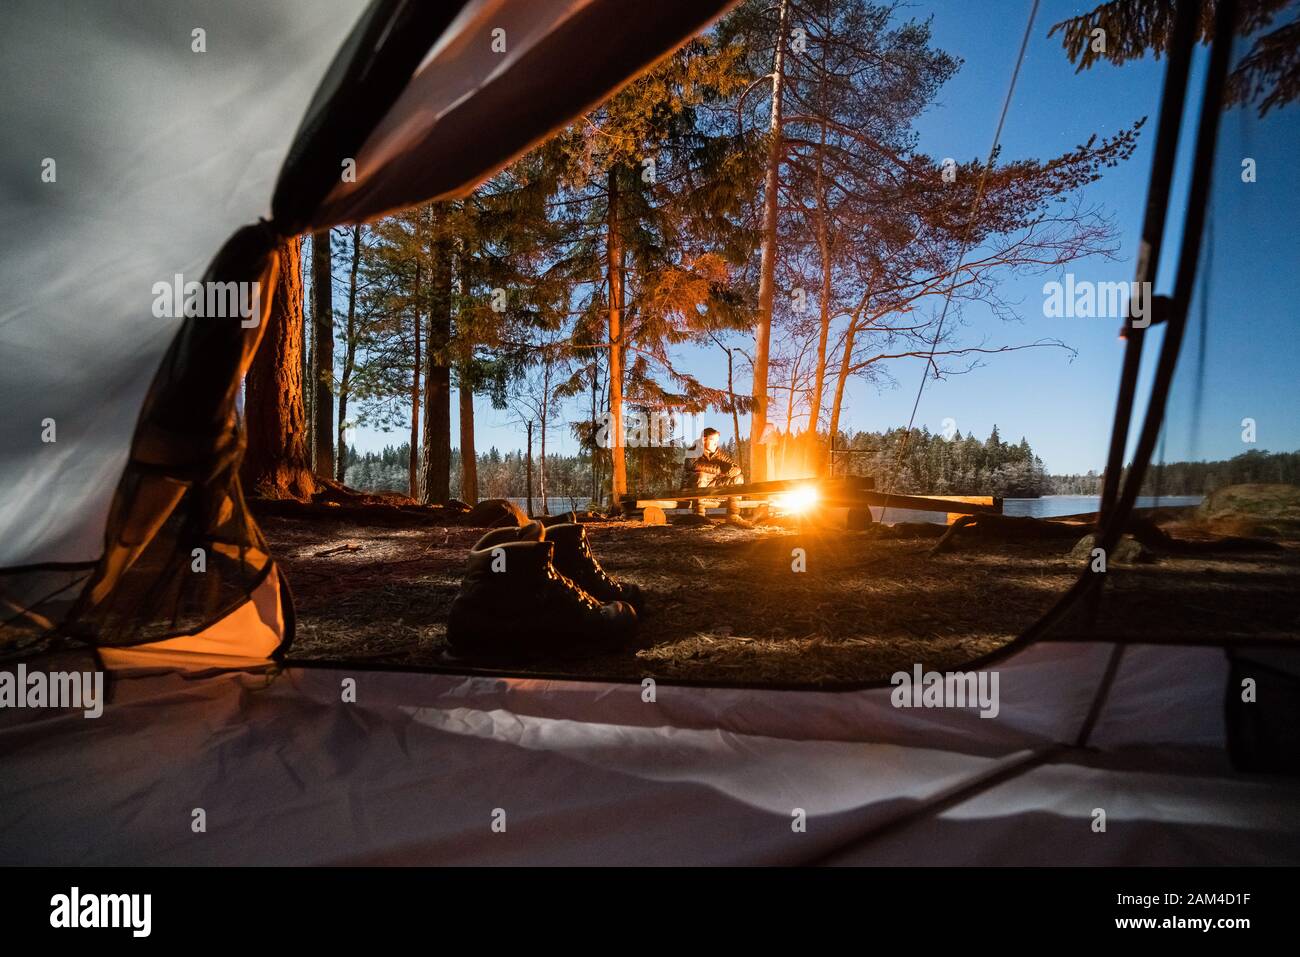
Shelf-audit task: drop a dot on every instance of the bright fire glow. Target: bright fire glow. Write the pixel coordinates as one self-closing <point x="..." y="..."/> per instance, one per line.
<point x="798" y="500"/>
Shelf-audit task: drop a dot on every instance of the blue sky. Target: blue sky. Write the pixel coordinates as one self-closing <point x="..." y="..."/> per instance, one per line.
<point x="1063" y="405"/>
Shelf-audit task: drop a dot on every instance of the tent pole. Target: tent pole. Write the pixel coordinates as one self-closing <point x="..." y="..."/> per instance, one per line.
<point x="1188" y="259"/>
<point x="1153" y="228"/>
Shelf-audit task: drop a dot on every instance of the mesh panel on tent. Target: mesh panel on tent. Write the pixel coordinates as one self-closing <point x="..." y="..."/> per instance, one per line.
<point x="1231" y="424"/>
<point x="1234" y="396"/>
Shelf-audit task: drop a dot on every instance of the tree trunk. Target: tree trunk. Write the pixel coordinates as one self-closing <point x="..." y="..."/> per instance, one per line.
<point x="437" y="376"/>
<point x="528" y="470"/>
<point x="595" y="475"/>
<point x="350" y="353"/>
<point x="308" y="364"/>
<point x="767" y="265"/>
<point x="787" y="439"/>
<point x="413" y="459"/>
<point x="468" y="455"/>
<point x="731" y="391"/>
<point x="604" y="402"/>
<point x="845" y="362"/>
<point x="276" y="463"/>
<point x="819" y="377"/>
<point x="308" y="336"/>
<point x="824" y="246"/>
<point x="614" y="248"/>
<point x="322" y="313"/>
<point x="546" y="414"/>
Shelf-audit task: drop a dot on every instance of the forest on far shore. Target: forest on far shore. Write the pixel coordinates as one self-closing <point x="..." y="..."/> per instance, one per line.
<point x="962" y="465"/>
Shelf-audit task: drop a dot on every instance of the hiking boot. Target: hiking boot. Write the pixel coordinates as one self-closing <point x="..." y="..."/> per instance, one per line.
<point x="564" y="518"/>
<point x="514" y="603"/>
<point x="574" y="558"/>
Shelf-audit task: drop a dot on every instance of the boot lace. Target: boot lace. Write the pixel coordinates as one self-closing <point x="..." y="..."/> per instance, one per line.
<point x="570" y="591"/>
<point x="594" y="570"/>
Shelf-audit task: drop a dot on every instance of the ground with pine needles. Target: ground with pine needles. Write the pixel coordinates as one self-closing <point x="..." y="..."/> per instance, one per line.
<point x="725" y="604"/>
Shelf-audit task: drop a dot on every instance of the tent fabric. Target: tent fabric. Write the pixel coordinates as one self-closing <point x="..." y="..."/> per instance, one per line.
<point x="191" y="153"/>
<point x="414" y="770"/>
<point x="181" y="547"/>
<point x="502" y="77"/>
<point x="249" y="635"/>
<point x="161" y="153"/>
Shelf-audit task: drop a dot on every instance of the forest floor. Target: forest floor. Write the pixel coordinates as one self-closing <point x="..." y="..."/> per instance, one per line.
<point x="724" y="604"/>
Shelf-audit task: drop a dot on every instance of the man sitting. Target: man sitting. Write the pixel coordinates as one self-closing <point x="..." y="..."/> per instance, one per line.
<point x="709" y="469"/>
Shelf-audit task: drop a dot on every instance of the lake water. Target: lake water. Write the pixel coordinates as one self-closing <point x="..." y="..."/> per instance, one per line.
<point x="1045" y="507"/>
<point x="1051" y="505"/>
<point x="555" y="506"/>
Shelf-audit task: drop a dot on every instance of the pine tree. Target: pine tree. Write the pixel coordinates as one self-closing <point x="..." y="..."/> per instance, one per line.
<point x="351" y="339"/>
<point x="322" y="364"/>
<point x="655" y="188"/>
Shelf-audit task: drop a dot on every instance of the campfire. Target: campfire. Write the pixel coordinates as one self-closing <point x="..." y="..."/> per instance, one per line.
<point x="797" y="501"/>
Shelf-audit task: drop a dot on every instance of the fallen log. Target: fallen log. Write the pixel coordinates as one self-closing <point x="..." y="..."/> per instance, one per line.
<point x="1141" y="527"/>
<point x="1009" y="528"/>
<point x="372" y="514"/>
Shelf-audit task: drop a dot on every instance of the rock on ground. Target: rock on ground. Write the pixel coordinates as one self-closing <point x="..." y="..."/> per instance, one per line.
<point x="496" y="513"/>
<point x="1127" y="551"/>
<point x="1254" y="510"/>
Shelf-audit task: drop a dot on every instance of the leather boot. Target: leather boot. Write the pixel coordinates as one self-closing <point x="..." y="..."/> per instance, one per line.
<point x="514" y="603"/>
<point x="564" y="518"/>
<point x="575" y="559"/>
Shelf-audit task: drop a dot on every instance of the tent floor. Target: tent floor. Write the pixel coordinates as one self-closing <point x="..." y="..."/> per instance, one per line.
<point x="725" y="605"/>
<point x="418" y="767"/>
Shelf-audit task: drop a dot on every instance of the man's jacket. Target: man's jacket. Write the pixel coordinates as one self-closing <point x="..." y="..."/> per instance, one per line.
<point x="706" y="469"/>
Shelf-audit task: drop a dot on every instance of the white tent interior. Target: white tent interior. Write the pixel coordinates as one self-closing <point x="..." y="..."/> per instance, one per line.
<point x="417" y="770"/>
